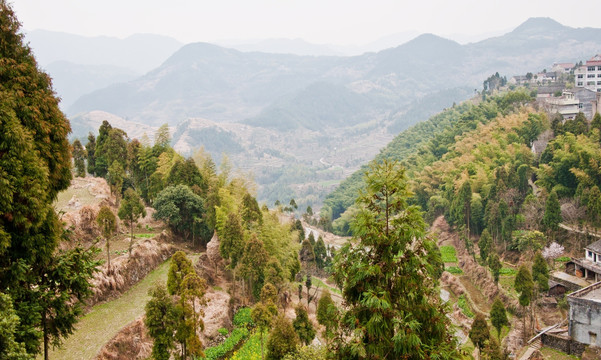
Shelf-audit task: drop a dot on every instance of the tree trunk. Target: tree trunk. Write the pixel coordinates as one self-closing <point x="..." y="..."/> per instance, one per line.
<point x="261" y="335"/>
<point x="131" y="239"/>
<point x="46" y="339"/>
<point x="108" y="256"/>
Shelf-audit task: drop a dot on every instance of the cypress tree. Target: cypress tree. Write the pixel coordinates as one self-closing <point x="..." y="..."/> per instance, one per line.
<point x="552" y="216"/>
<point x="388" y="276"/>
<point x="46" y="285"/>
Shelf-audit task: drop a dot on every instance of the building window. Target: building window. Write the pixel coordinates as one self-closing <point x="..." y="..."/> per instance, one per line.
<point x="598" y="82"/>
<point x="599" y="68"/>
<point x="598" y="75"/>
<point x="590" y="254"/>
<point x="590" y="83"/>
<point x="579" y="83"/>
<point x="590" y="76"/>
<point x="580" y="105"/>
<point x="591" y="68"/>
<point x="580" y="76"/>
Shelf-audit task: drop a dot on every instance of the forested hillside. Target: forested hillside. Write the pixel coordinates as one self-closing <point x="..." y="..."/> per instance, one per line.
<point x="474" y="164"/>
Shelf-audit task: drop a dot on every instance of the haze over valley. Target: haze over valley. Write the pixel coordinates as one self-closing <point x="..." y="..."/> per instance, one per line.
<point x="298" y="123"/>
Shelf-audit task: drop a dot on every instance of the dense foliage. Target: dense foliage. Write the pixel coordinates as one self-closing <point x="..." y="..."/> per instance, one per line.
<point x="389" y="277"/>
<point x="421" y="146"/>
<point x="42" y="287"/>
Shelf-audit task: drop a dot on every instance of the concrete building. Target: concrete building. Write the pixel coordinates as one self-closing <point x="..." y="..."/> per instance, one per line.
<point x="565" y="68"/>
<point x="588" y="267"/>
<point x="584" y="318"/>
<point x="589" y="75"/>
<point x="566" y="105"/>
<point x="574" y="101"/>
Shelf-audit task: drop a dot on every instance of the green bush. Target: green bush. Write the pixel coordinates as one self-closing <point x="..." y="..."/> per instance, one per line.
<point x="219" y="351"/>
<point x="563" y="259"/>
<point x="223" y="331"/>
<point x="454" y="270"/>
<point x="242" y="318"/>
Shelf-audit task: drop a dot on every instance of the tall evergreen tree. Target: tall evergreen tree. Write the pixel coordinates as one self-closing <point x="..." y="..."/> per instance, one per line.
<point x="485" y="245"/>
<point x="130" y="211"/>
<point x="552" y="216"/>
<point x="282" y="339"/>
<point x="524" y="285"/>
<point x="252" y="264"/>
<point x="91" y="154"/>
<point x="540" y="273"/>
<point x="498" y="316"/>
<point x="79" y="155"/>
<point x="161" y="322"/>
<point x="107" y="222"/>
<point x="479" y="333"/>
<point x="389" y="277"/>
<point x="495" y="266"/>
<point x="35" y="165"/>
<point x="302" y="325"/>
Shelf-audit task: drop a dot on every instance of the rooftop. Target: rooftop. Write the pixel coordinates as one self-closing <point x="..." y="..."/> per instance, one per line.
<point x="592" y="292"/>
<point x="562" y="276"/>
<point x="596" y="246"/>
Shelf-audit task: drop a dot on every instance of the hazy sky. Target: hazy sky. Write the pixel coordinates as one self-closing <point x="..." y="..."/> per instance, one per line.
<point x="342" y="22"/>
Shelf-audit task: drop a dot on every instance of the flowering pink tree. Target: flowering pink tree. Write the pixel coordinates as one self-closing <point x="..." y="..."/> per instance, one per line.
<point x="553" y="251"/>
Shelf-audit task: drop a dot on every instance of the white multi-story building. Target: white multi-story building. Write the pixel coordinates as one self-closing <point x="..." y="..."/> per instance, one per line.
<point x="589" y="75"/>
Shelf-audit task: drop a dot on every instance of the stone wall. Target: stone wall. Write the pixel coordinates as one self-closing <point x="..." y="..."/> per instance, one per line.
<point x="563" y="344"/>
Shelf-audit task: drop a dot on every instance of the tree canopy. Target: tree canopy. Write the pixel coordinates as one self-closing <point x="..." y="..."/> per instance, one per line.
<point x="389" y="278"/>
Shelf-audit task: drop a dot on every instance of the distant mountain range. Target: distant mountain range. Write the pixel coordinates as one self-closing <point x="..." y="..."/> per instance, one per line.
<point x="272" y="110"/>
<point x="287" y="91"/>
<point x="80" y="64"/>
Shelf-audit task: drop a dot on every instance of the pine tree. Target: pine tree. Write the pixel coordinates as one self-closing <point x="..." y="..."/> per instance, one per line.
<point x="479" y="333"/>
<point x="79" y="155"/>
<point x="302" y="325"/>
<point x="485" y="245"/>
<point x="178" y="269"/>
<point x="161" y="322"/>
<point x="388" y="276"/>
<point x="524" y="286"/>
<point x="107" y="222"/>
<point x="327" y="315"/>
<point x="552" y="216"/>
<point x="495" y="266"/>
<point x="262" y="317"/>
<point x="540" y="273"/>
<point x="282" y="339"/>
<point x="130" y="211"/>
<point x="91" y="154"/>
<point x="498" y="316"/>
<point x="36" y="165"/>
<point x="320" y="253"/>
<point x="252" y="264"/>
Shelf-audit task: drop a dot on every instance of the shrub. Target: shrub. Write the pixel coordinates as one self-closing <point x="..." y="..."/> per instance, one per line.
<point x="223" y="331"/>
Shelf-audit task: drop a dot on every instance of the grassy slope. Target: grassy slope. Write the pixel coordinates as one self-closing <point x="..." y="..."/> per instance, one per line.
<point x="105" y="320"/>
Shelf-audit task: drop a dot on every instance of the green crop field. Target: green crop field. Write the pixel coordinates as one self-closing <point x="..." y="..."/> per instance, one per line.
<point x="104" y="321"/>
